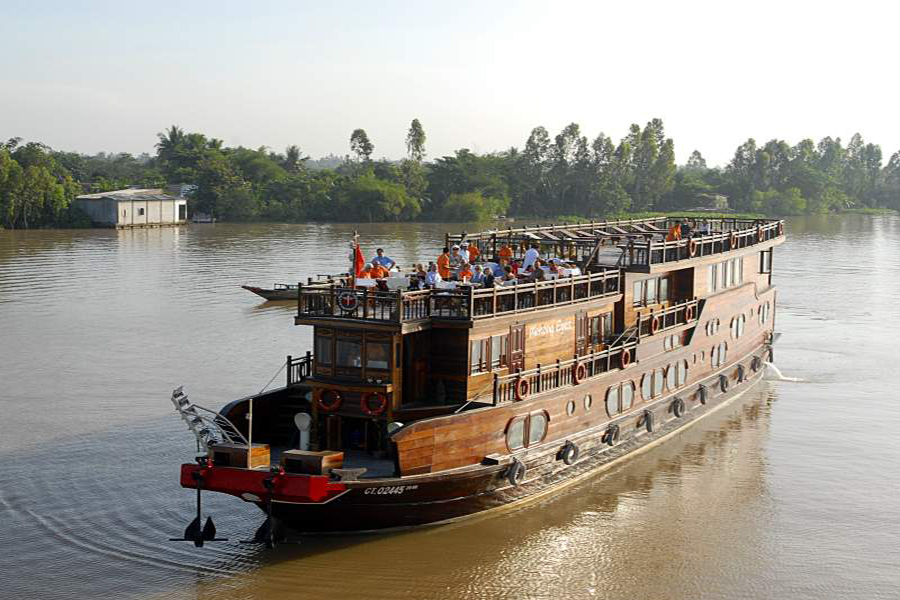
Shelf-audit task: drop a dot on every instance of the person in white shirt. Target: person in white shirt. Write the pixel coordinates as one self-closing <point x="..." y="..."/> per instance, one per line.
<point x="432" y="277"/>
<point x="464" y="252"/>
<point x="456" y="258"/>
<point x="531" y="255"/>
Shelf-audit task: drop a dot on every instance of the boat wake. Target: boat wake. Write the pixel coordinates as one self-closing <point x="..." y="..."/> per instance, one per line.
<point x="779" y="376"/>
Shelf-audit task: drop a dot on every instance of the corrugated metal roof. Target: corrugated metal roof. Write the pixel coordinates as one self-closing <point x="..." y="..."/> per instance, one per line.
<point x="130" y="195"/>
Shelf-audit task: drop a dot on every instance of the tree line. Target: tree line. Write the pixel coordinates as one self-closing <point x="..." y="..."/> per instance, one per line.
<point x="550" y="176"/>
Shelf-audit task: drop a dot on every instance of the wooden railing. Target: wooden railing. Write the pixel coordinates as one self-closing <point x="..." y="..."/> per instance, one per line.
<point x="332" y="300"/>
<point x="299" y="368"/>
<point x="668" y="318"/>
<point x="544" y="378"/>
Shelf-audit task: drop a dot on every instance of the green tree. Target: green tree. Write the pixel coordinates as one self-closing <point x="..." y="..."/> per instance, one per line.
<point x="361" y="146"/>
<point x="415" y="141"/>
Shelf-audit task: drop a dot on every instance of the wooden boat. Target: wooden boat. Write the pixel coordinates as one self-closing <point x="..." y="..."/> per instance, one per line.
<point x="278" y="291"/>
<point x="420" y="407"/>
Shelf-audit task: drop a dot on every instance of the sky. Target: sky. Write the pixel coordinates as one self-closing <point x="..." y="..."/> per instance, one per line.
<point x="108" y="76"/>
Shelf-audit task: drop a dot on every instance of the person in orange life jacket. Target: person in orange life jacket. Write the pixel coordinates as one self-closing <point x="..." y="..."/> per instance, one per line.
<point x="378" y="272"/>
<point x="674" y="232"/>
<point x="465" y="273"/>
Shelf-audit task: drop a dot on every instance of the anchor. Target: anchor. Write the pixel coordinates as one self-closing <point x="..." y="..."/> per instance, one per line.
<point x="193" y="532"/>
<point x="270" y="532"/>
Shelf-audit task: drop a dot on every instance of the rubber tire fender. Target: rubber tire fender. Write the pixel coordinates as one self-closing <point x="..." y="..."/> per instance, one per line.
<point x="646" y="421"/>
<point x="723" y="383"/>
<point x="515" y="473"/>
<point x="569" y="453"/>
<point x="612" y="435"/>
<point x="704" y="394"/>
<point x="678" y="407"/>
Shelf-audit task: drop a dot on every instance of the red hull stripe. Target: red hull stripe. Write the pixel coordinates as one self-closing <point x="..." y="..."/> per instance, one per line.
<point x="288" y="487"/>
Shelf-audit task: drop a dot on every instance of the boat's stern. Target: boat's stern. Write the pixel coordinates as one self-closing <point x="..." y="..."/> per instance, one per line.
<point x="259" y="486"/>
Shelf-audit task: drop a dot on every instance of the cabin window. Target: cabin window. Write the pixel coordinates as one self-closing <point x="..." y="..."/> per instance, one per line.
<point x="764" y="313"/>
<point x="737" y="326"/>
<point x="712" y="327"/>
<point x="765" y="261"/>
<point x="537" y="427"/>
<point x="627" y="395"/>
<point x="488" y="354"/>
<point x="713" y="278"/>
<point x="651" y="291"/>
<point x="674" y="341"/>
<point x="515" y="434"/>
<point x="348" y="353"/>
<point x="140" y="212"/>
<point x="718" y="354"/>
<point x="612" y="400"/>
<point x="739" y="269"/>
<point x="670" y="377"/>
<point x="726" y="271"/>
<point x="570" y="407"/>
<point x="601" y="328"/>
<point x="652" y="384"/>
<point x="377" y="355"/>
<point x="324" y="347"/>
<point x="681" y="372"/>
<point x="658" y="379"/>
<point x="588" y="401"/>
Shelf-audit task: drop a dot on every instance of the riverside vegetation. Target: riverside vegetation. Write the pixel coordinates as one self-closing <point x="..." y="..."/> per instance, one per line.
<point x="563" y="175"/>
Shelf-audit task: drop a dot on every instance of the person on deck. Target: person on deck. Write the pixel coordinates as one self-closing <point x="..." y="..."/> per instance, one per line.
<point x="464" y="251"/>
<point x="474" y="252"/>
<point x="443" y="264"/>
<point x="366" y="273"/>
<point x="433" y="277"/>
<point x="531" y="255"/>
<point x="456" y="258"/>
<point x="488" y="281"/>
<point x="505" y="252"/>
<point x="477" y="275"/>
<point x="499" y="267"/>
<point x="465" y="272"/>
<point x="686" y="230"/>
<point x="378" y="272"/>
<point x="383" y="261"/>
<point x="674" y="232"/>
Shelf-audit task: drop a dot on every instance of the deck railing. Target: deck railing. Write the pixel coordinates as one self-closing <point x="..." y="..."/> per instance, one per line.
<point x="332" y="299"/>
<point x="657" y="321"/>
<point x="299" y="368"/>
<point x="544" y="378"/>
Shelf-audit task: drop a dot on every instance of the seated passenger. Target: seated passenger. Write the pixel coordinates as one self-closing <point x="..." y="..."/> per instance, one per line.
<point x="500" y="268"/>
<point x="488" y="281"/>
<point x="378" y="272"/>
<point x="477" y="275"/>
<point x="474" y="253"/>
<point x="508" y="278"/>
<point x="366" y="273"/>
<point x="505" y="252"/>
<point x="456" y="259"/>
<point x="464" y="273"/>
<point x="686" y="230"/>
<point x="464" y="251"/>
<point x="433" y="277"/>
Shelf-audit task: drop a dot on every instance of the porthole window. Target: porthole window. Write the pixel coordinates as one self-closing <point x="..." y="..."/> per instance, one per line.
<point x="723" y="353"/>
<point x="515" y="434"/>
<point x="570" y="408"/>
<point x="681" y="373"/>
<point x="526" y="430"/>
<point x="694" y="358"/>
<point x="588" y="401"/>
<point x="714" y="356"/>
<point x="658" y="379"/>
<point x="623" y="392"/>
<point x="537" y="427"/>
<point x="742" y="320"/>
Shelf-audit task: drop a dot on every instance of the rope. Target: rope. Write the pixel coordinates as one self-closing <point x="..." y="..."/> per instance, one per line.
<point x="277" y="373"/>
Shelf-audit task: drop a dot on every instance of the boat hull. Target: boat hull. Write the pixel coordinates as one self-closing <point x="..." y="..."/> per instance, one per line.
<point x="273" y="294"/>
<point x="390" y="503"/>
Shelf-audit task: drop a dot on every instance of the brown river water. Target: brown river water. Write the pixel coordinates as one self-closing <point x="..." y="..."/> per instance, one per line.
<point x="792" y="492"/>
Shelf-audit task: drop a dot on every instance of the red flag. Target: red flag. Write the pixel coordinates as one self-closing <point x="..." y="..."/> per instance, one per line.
<point x="358" y="261"/>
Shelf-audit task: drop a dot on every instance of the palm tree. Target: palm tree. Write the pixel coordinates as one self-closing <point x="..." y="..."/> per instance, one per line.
<point x="169" y="143"/>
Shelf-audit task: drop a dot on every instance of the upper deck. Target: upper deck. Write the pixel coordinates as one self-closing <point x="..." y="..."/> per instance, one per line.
<point x="602" y="249"/>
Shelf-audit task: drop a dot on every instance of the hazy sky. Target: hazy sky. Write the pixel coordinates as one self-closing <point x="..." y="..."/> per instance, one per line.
<point x="92" y="76"/>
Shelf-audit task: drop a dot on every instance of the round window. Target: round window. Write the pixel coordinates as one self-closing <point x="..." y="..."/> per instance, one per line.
<point x="658" y="379"/>
<point x="588" y="401"/>
<point x="627" y="395"/>
<point x="570" y="408"/>
<point x="612" y="400"/>
<point x="647" y="386"/>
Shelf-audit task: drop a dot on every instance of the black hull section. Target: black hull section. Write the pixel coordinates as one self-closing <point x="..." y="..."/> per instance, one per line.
<point x="372" y="505"/>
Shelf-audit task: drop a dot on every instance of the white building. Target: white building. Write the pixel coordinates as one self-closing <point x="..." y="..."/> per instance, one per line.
<point x="134" y="208"/>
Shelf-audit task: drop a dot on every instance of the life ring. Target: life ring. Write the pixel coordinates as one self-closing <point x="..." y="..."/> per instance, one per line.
<point x="780" y="227"/>
<point x="612" y="435"/>
<point x="569" y="453"/>
<point x="689" y="313"/>
<point x="522" y="388"/>
<point x="579" y="372"/>
<point x="703" y="391"/>
<point x="678" y="407"/>
<point x="516" y="472"/>
<point x="723" y="383"/>
<point x="367" y="408"/>
<point x="760" y="234"/>
<point x="625" y="358"/>
<point x="334" y="404"/>
<point x="692" y="247"/>
<point x="654" y="325"/>
<point x="646" y="421"/>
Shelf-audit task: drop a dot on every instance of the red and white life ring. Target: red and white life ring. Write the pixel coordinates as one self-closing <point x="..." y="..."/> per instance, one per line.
<point x="333" y="404"/>
<point x="579" y="372"/>
<point x="522" y="388"/>
<point x="380" y="407"/>
<point x="625" y="358"/>
<point x="654" y="325"/>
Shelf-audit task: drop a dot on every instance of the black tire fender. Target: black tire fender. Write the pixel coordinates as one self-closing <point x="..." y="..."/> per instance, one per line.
<point x="612" y="435"/>
<point x="646" y="421"/>
<point x="678" y="407"/>
<point x="704" y="394"/>
<point x="723" y="383"/>
<point x="515" y="473"/>
<point x="569" y="453"/>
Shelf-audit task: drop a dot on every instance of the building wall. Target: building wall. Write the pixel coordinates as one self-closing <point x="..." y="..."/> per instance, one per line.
<point x="128" y="212"/>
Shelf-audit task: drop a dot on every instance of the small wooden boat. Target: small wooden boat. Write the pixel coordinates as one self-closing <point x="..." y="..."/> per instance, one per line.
<point x="279" y="291"/>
